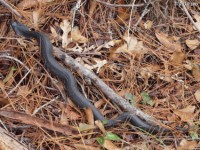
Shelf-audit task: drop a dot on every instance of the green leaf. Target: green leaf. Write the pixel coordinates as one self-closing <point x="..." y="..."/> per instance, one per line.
<point x="105" y="121"/>
<point x="194" y="135"/>
<point x="10" y="74"/>
<point x="112" y="137"/>
<point x="130" y="97"/>
<point x="146" y="99"/>
<point x="100" y="140"/>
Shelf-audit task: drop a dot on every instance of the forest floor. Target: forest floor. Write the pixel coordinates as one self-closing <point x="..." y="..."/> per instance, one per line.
<point x="147" y="52"/>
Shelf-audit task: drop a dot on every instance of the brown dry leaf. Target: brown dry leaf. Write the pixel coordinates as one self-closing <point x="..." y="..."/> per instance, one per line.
<point x="86" y="127"/>
<point x="90" y="116"/>
<point x="148" y="24"/>
<point x="68" y="113"/>
<point x="197" y="95"/>
<point x="165" y="40"/>
<point x="146" y="72"/>
<point x="132" y="45"/>
<point x="196" y="72"/>
<point x="197" y="17"/>
<point x="85" y="147"/>
<point x="122" y="13"/>
<point x="192" y="44"/>
<point x="23" y="91"/>
<point x="122" y="17"/>
<point x="77" y="37"/>
<point x="99" y="64"/>
<point x="93" y="5"/>
<point x="36" y="17"/>
<point x="177" y="58"/>
<point x="186" y="114"/>
<point x="100" y="125"/>
<point x="110" y="146"/>
<point x="167" y="76"/>
<point x="3" y="101"/>
<point x="54" y="33"/>
<point x="66" y="27"/>
<point x="26" y="4"/>
<point x="187" y="145"/>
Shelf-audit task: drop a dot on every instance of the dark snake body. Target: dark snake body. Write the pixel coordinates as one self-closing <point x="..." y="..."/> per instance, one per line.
<point x="70" y="84"/>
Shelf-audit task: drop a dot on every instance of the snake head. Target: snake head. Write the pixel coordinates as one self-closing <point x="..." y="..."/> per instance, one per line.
<point x="20" y="29"/>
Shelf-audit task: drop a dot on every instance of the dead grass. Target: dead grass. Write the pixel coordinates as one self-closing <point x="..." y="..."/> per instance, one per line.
<point x="152" y="57"/>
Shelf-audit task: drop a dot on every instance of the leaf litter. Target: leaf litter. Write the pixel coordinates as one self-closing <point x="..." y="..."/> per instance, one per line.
<point x="155" y="66"/>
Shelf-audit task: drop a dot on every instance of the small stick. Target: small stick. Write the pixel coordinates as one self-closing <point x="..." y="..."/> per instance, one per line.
<point x="189" y="16"/>
<point x="10" y="8"/>
<point x="119" y="5"/>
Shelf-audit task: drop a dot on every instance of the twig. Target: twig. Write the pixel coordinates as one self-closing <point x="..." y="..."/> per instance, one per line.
<point x="189" y="16"/>
<point x="15" y="59"/>
<point x="119" y="5"/>
<point x="143" y="14"/>
<point x="129" y="23"/>
<point x="38" y="109"/>
<point x="10" y="8"/>
<point x="77" y="7"/>
<point x="115" y="98"/>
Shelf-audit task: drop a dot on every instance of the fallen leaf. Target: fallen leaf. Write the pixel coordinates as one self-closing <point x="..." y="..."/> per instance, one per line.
<point x="99" y="64"/>
<point x="146" y="99"/>
<point x="9" y="75"/>
<point x="168" y="43"/>
<point x="23" y="91"/>
<point x="85" y="147"/>
<point x="197" y="23"/>
<point x="66" y="27"/>
<point x="89" y="115"/>
<point x="77" y="37"/>
<point x="26" y="4"/>
<point x="196" y="72"/>
<point x="148" y="24"/>
<point x="192" y="44"/>
<point x="68" y="114"/>
<point x="93" y="5"/>
<point x="197" y="95"/>
<point x="36" y="17"/>
<point x="111" y="136"/>
<point x="122" y="14"/>
<point x="110" y="146"/>
<point x="187" y="145"/>
<point x="167" y="75"/>
<point x="177" y="58"/>
<point x="130" y="97"/>
<point x="132" y="45"/>
<point x="85" y="127"/>
<point x="186" y="114"/>
<point x="148" y="71"/>
<point x="54" y="34"/>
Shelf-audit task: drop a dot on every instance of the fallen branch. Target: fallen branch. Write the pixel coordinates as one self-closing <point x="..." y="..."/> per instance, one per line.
<point x="10" y="8"/>
<point x="115" y="98"/>
<point x="31" y="120"/>
<point x="8" y="142"/>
